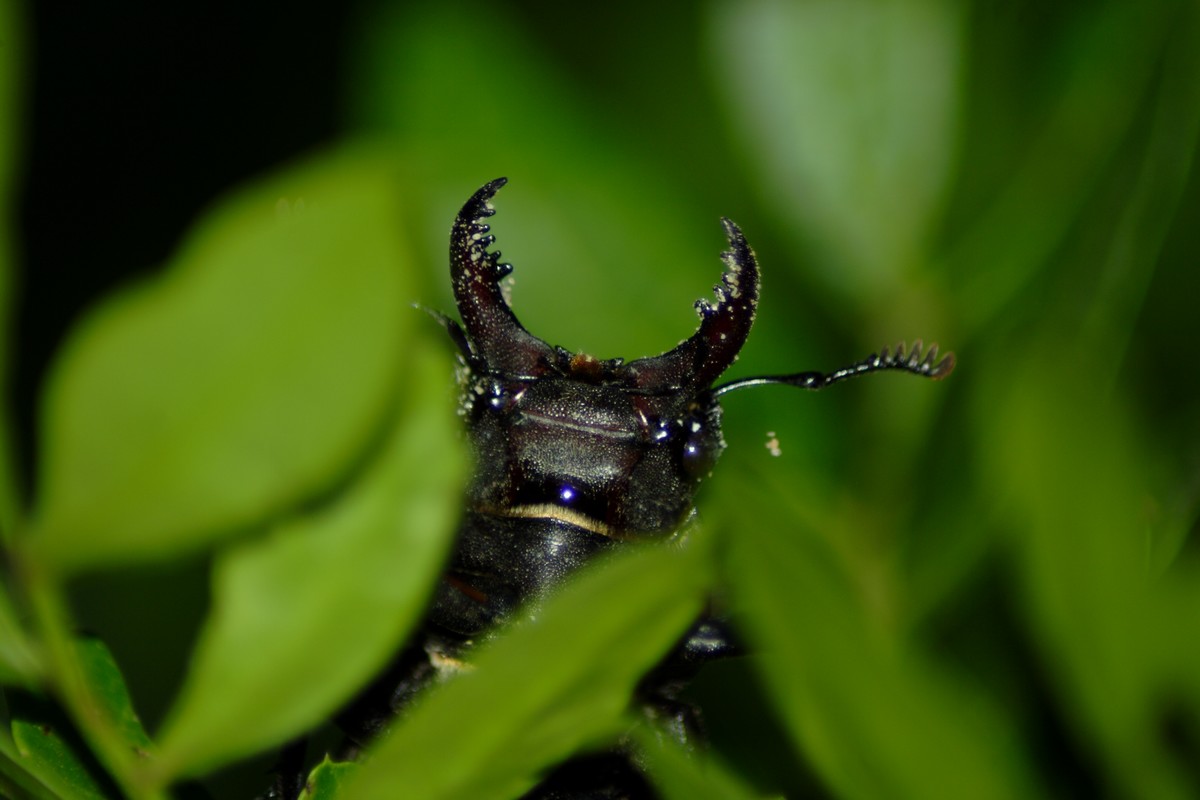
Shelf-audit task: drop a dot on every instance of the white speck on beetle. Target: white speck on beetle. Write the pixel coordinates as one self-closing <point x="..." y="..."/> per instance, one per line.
<point x="773" y="444"/>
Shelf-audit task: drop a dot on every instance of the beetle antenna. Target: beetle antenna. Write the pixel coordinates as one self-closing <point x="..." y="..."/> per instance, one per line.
<point x="912" y="361"/>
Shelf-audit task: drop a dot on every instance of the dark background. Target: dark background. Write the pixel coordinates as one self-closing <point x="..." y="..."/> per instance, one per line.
<point x="140" y="114"/>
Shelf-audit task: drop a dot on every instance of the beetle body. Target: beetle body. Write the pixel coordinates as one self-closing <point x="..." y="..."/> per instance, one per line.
<point x="576" y="456"/>
<point x="573" y="454"/>
<point x="566" y="467"/>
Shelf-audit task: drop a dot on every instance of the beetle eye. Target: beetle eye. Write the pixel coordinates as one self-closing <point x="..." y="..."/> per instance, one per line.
<point x="699" y="453"/>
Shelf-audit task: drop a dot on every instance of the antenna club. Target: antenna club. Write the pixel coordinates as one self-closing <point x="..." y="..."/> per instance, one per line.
<point x="943" y="367"/>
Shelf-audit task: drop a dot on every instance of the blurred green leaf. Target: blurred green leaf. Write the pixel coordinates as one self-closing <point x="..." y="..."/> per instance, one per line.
<point x="1067" y="469"/>
<point x="326" y="781"/>
<point x="557" y="682"/>
<point x="1101" y="78"/>
<point x="241" y="382"/>
<point x="851" y="696"/>
<point x="683" y="775"/>
<point x="53" y="761"/>
<point x="1151" y="206"/>
<point x="53" y="757"/>
<point x="1174" y="617"/>
<point x="305" y="616"/>
<point x="849" y="110"/>
<point x="108" y="688"/>
<point x="18" y="664"/>
<point x="16" y="779"/>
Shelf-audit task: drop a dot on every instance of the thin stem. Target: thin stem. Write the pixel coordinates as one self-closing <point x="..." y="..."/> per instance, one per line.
<point x="70" y="683"/>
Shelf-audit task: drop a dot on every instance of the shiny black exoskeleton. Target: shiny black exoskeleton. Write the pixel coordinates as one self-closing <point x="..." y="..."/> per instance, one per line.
<point x="575" y="456"/>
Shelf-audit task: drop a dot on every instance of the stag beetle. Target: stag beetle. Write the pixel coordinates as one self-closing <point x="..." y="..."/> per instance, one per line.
<point x="575" y="456"/>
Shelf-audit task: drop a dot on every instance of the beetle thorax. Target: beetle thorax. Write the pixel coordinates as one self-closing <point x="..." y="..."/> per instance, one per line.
<point x="592" y="454"/>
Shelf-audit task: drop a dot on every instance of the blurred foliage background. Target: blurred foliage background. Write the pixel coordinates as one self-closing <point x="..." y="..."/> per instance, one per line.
<point x="984" y="587"/>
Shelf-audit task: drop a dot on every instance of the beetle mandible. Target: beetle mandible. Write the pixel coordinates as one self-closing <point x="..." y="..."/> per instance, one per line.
<point x="575" y="456"/>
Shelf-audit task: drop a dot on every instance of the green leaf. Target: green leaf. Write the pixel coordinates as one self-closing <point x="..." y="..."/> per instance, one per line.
<point x="19" y="771"/>
<point x="1072" y="476"/>
<point x="245" y="379"/>
<point x="47" y="749"/>
<point x="1101" y="77"/>
<point x="18" y="664"/>
<point x="304" y="616"/>
<point x="326" y="781"/>
<point x="849" y="111"/>
<point x="849" y="695"/>
<point x="16" y="779"/>
<point x="1173" y="622"/>
<point x="559" y="681"/>
<point x="45" y="754"/>
<point x="49" y="754"/>
<point x="683" y="775"/>
<point x="108" y="687"/>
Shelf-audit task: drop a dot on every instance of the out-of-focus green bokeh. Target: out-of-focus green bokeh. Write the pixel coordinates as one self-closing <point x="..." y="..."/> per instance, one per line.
<point x="1011" y="547"/>
<point x="982" y="587"/>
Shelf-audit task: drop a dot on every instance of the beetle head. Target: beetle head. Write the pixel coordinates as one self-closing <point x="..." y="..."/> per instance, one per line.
<point x="614" y="447"/>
